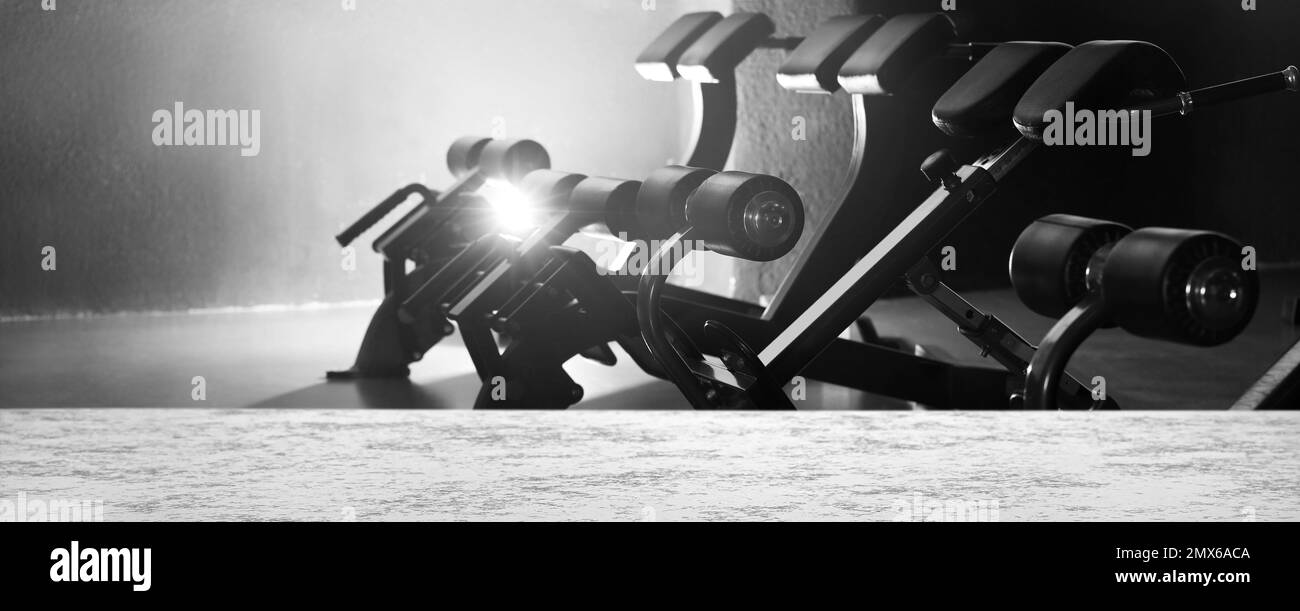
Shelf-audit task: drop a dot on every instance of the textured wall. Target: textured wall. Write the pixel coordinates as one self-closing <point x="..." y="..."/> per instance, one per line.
<point x="764" y="138"/>
<point x="353" y="104"/>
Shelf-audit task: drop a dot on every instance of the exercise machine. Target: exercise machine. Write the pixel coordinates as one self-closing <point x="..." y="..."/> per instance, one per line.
<point x="1128" y="75"/>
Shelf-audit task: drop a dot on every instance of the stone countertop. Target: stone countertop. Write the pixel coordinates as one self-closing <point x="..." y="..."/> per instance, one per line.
<point x="322" y="465"/>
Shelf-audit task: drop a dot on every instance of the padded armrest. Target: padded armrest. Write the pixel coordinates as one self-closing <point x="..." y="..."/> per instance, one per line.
<point x="1099" y="75"/>
<point x="883" y="65"/>
<point x="658" y="62"/>
<point x="984" y="98"/>
<point x="716" y="54"/>
<point x="813" y="66"/>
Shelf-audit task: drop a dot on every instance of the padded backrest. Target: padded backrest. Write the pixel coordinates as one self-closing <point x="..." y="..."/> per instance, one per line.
<point x="884" y="64"/>
<point x="1099" y="75"/>
<point x="715" y="55"/>
<point x="658" y="62"/>
<point x="813" y="66"/>
<point x="984" y="98"/>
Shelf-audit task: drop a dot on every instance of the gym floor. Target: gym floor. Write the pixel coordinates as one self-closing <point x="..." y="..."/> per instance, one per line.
<point x="278" y="360"/>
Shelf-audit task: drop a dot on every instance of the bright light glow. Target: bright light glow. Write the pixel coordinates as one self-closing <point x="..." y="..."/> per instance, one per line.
<point x="514" y="210"/>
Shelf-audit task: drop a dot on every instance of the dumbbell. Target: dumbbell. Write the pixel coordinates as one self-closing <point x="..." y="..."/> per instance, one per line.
<point x="1174" y="285"/>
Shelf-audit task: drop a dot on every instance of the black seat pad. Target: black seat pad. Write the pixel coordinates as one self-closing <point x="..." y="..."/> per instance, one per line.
<point x="714" y="56"/>
<point x="813" y="66"/>
<point x="886" y="62"/>
<point x="658" y="62"/>
<point x="1099" y="75"/>
<point x="984" y="98"/>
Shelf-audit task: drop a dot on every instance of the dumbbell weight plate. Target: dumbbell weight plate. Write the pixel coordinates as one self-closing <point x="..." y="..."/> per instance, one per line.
<point x="749" y="216"/>
<point x="1050" y="261"/>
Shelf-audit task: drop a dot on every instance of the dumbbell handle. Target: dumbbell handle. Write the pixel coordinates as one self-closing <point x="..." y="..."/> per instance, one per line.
<point x="382" y="209"/>
<point x="1186" y="101"/>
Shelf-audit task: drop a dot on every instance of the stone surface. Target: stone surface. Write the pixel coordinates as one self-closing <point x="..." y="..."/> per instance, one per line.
<point x="256" y="465"/>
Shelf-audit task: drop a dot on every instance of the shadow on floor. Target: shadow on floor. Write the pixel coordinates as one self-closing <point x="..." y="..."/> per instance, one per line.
<point x="447" y="393"/>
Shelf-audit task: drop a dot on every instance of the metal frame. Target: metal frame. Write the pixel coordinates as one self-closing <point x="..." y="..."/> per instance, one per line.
<point x="1278" y="388"/>
<point x="889" y="261"/>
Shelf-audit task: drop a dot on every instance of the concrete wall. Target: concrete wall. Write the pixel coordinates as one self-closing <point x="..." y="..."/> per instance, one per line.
<point x="353" y="104"/>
